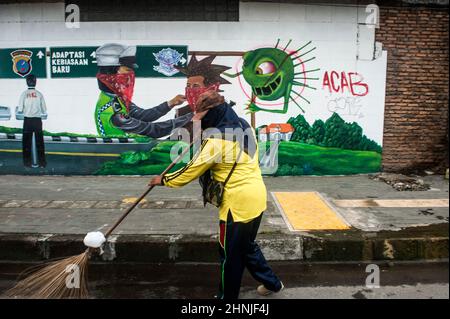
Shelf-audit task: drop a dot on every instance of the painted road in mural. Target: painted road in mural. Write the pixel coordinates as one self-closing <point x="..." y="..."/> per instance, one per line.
<point x="79" y="156"/>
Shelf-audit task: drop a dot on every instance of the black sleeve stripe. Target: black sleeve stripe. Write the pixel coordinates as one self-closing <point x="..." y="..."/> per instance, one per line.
<point x="181" y="171"/>
<point x="189" y="164"/>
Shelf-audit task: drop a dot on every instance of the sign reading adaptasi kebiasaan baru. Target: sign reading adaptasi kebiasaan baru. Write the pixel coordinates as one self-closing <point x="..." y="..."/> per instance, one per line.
<point x="16" y="63"/>
<point x="73" y="62"/>
<point x="153" y="61"/>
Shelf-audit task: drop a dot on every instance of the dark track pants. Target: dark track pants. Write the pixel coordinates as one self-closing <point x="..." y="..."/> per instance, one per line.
<point x="238" y="250"/>
<point x="33" y="125"/>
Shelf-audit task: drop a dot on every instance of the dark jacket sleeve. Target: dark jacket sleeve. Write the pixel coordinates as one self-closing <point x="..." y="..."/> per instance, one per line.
<point x="155" y="130"/>
<point x="148" y="115"/>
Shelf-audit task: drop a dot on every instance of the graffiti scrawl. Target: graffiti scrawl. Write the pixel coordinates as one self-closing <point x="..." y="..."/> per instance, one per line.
<point x="340" y="82"/>
<point x="348" y="106"/>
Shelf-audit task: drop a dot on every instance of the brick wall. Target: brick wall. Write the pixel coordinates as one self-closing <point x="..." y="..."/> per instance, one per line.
<point x="416" y="108"/>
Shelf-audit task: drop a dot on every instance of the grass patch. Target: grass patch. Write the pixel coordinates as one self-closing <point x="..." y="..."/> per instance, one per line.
<point x="151" y="162"/>
<point x="293" y="159"/>
<point x="304" y="159"/>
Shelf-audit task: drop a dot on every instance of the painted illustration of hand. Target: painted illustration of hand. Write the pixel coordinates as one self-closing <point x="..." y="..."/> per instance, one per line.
<point x="177" y="100"/>
<point x="208" y="100"/>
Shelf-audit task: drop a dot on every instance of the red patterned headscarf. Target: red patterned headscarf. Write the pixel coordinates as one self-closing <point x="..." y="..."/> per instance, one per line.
<point x="193" y="93"/>
<point x="122" y="84"/>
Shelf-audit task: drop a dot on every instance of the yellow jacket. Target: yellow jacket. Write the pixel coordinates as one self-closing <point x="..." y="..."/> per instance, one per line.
<point x="245" y="193"/>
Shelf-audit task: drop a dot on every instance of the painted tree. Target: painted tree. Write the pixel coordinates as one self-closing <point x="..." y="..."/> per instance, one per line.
<point x="318" y="132"/>
<point x="302" y="129"/>
<point x="354" y="136"/>
<point x="335" y="131"/>
<point x="367" y="144"/>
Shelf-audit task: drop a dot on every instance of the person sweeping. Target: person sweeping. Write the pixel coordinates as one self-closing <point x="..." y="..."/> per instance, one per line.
<point x="228" y="167"/>
<point x="241" y="197"/>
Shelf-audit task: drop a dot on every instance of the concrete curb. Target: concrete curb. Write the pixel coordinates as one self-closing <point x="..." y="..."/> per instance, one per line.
<point x="422" y="243"/>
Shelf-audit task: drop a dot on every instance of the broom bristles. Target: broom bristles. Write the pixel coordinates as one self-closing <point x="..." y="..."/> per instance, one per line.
<point x="65" y="278"/>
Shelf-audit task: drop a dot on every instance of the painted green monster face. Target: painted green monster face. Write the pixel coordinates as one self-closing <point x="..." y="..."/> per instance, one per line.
<point x="268" y="71"/>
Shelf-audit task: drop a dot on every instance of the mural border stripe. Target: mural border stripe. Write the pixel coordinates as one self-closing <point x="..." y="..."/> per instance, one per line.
<point x="71" y="139"/>
<point x="68" y="153"/>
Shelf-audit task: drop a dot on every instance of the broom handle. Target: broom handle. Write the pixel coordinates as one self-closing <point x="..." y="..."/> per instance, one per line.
<point x="125" y="214"/>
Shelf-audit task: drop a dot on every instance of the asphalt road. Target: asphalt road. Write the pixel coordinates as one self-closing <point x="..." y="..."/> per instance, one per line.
<point x="302" y="280"/>
<point x="418" y="291"/>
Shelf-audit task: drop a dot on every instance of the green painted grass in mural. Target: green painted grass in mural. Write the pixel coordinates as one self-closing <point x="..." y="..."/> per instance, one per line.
<point x="151" y="162"/>
<point x="293" y="159"/>
<point x="303" y="159"/>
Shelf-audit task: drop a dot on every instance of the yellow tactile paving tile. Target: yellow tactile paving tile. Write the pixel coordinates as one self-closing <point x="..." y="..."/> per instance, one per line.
<point x="391" y="202"/>
<point x="131" y="200"/>
<point x="308" y="211"/>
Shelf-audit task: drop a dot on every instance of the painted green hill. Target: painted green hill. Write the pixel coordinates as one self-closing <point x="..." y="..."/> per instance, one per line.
<point x="304" y="159"/>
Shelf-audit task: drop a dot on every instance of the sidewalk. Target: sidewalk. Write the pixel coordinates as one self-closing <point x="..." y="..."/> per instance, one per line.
<point x="47" y="217"/>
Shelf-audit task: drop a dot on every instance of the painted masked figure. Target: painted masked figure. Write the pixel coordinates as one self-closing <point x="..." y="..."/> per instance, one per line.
<point x="202" y="86"/>
<point x="115" y="113"/>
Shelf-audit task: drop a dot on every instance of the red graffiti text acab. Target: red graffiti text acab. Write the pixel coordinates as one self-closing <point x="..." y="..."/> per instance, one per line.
<point x="341" y="82"/>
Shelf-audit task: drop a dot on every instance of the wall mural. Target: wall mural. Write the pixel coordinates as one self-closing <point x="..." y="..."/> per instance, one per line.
<point x="279" y="79"/>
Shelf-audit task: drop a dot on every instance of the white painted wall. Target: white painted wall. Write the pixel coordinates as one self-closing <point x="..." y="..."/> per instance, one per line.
<point x="333" y="30"/>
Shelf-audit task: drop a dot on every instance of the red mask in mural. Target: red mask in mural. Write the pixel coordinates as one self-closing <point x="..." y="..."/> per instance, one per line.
<point x="193" y="93"/>
<point x="122" y="84"/>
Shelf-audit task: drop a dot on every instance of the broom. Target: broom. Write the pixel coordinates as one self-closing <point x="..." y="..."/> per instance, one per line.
<point x="54" y="279"/>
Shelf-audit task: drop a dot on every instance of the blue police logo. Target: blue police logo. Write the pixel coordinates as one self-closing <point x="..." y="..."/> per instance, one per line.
<point x="167" y="59"/>
<point x="22" y="62"/>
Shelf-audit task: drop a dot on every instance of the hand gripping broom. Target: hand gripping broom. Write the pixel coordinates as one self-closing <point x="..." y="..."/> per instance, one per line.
<point x="51" y="280"/>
